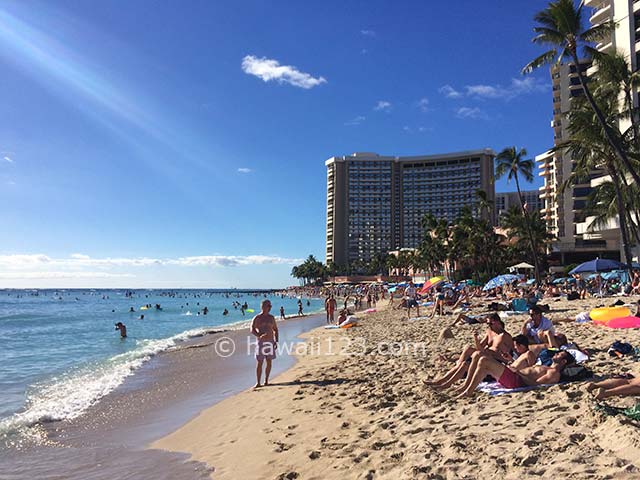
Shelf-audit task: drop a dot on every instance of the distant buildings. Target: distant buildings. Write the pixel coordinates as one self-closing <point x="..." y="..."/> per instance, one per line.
<point x="375" y="203"/>
<point x="505" y="200"/>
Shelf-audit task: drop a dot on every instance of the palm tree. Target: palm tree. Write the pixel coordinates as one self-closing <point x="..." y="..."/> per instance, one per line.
<point x="590" y="151"/>
<point x="512" y="163"/>
<point x="485" y="205"/>
<point x="561" y="26"/>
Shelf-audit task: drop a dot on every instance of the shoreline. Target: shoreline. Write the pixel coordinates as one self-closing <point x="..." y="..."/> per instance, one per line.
<point x="164" y="393"/>
<point x="370" y="416"/>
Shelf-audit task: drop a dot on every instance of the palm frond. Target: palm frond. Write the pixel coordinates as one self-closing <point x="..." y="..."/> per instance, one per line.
<point x="546" y="58"/>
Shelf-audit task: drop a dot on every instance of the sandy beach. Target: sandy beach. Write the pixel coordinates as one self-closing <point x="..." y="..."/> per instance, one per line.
<point x="355" y="406"/>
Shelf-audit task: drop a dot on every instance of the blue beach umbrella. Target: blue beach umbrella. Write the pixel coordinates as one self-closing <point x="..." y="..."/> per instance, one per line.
<point x="597" y="265"/>
<point x="501" y="280"/>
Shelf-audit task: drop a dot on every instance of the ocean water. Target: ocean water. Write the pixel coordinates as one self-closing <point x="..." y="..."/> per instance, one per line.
<point x="61" y="353"/>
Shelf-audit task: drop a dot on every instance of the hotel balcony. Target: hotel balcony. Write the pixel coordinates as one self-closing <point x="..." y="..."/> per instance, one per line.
<point x="602" y="13"/>
<point x="605" y="46"/>
<point x="592" y="3"/>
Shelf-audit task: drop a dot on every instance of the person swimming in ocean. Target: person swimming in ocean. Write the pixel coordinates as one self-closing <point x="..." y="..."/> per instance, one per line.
<point x="225" y="312"/>
<point x="123" y="329"/>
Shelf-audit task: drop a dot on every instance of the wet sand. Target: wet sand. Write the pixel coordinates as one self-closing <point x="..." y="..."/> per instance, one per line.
<point x="368" y="414"/>
<point x="108" y="440"/>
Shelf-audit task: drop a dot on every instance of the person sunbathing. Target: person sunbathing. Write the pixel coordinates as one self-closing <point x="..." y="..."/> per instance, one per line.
<point x="622" y="386"/>
<point x="481" y="366"/>
<point x="497" y="343"/>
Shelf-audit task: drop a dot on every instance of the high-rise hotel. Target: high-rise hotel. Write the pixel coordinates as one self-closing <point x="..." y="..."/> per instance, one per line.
<point x="576" y="238"/>
<point x="375" y="203"/>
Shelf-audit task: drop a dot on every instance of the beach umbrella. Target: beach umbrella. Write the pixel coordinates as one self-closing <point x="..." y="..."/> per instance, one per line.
<point x="432" y="282"/>
<point x="597" y="265"/>
<point x="501" y="280"/>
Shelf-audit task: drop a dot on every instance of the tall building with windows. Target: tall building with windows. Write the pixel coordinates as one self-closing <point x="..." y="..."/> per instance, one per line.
<point x="506" y="200"/>
<point x="375" y="203"/>
<point x="564" y="208"/>
<point x="624" y="39"/>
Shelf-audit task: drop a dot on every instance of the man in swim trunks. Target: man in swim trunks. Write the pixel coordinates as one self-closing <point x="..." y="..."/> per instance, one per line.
<point x="411" y="297"/>
<point x="497" y="344"/>
<point x="265" y="329"/>
<point x="508" y="378"/>
<point x="330" y="305"/>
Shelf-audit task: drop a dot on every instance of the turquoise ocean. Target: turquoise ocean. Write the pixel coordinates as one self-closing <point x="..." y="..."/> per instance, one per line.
<point x="61" y="353"/>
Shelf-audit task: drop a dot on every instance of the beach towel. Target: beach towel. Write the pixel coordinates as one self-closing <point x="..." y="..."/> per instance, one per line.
<point x="632" y="412"/>
<point x="494" y="388"/>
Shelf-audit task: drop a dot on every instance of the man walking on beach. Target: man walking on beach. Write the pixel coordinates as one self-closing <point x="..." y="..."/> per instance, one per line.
<point x="265" y="329"/>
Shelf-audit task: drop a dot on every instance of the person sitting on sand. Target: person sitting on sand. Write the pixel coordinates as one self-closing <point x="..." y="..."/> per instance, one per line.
<point x="342" y="316"/>
<point x="484" y="365"/>
<point x="538" y="328"/>
<point x="497" y="343"/>
<point x="621" y="386"/>
<point x="524" y="357"/>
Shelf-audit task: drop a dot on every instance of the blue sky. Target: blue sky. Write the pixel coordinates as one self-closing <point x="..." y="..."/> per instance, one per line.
<point x="182" y="144"/>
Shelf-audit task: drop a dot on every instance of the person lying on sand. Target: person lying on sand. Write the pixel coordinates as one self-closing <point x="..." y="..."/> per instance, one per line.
<point x="497" y="343"/>
<point x="557" y="341"/>
<point x="622" y="386"/>
<point x="483" y="365"/>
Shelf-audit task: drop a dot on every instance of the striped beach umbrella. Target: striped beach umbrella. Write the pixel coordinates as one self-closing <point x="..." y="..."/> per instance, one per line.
<point x="432" y="282"/>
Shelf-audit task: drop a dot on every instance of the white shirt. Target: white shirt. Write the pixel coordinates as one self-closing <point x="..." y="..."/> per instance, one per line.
<point x="545" y="325"/>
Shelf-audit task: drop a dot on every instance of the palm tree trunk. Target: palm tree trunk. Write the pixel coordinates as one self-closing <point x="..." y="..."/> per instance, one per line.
<point x="622" y="216"/>
<point x="615" y="144"/>
<point x="526" y="221"/>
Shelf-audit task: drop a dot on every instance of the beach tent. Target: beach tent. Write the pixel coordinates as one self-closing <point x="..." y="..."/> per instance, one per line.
<point x="513" y="268"/>
<point x="501" y="280"/>
<point x="432" y="282"/>
<point x="598" y="265"/>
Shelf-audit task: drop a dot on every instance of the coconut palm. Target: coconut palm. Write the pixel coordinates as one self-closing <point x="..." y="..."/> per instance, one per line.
<point x="590" y="151"/>
<point x="485" y="205"/>
<point x="512" y="163"/>
<point x="560" y="26"/>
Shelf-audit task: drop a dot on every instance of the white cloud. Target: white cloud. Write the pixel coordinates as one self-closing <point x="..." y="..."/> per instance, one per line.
<point x="57" y="275"/>
<point x="268" y="69"/>
<point x="368" y="33"/>
<point x="383" y="106"/>
<point x="78" y="260"/>
<point x="516" y="88"/>
<point x="356" y="121"/>
<point x="423" y="104"/>
<point x="244" y="170"/>
<point x="233" y="260"/>
<point x="449" y="92"/>
<point x="468" y="112"/>
<point x="8" y="159"/>
<point x="406" y="128"/>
